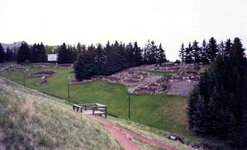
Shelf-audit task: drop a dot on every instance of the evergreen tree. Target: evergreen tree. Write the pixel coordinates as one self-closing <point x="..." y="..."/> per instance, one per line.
<point x="217" y="104"/>
<point x="62" y="54"/>
<point x="84" y="66"/>
<point x="196" y="52"/>
<point x="23" y="53"/>
<point x="161" y="55"/>
<point x="137" y="54"/>
<point x="204" y="53"/>
<point x="8" y="54"/>
<point x="221" y="48"/>
<point x="182" y="53"/>
<point x="188" y="54"/>
<point x="38" y="53"/>
<point x="1" y="53"/>
<point x="66" y="54"/>
<point x="212" y="49"/>
<point x="228" y="45"/>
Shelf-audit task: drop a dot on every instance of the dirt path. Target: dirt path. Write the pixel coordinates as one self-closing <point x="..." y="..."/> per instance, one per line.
<point x="124" y="141"/>
<point x="120" y="134"/>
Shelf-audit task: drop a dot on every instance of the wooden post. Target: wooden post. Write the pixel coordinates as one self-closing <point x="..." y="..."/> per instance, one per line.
<point x="106" y="112"/>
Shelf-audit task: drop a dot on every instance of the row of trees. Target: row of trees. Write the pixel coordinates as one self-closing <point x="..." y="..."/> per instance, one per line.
<point x="204" y="53"/>
<point x="99" y="60"/>
<point x="35" y="53"/>
<point x="5" y="56"/>
<point x="218" y="104"/>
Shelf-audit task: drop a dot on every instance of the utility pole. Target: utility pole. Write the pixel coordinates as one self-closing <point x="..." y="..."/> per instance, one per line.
<point x="129" y="106"/>
<point x="24" y="78"/>
<point x="68" y="87"/>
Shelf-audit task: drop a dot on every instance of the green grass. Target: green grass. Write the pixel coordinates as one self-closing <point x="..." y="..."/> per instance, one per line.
<point x="160" y="72"/>
<point x="32" y="120"/>
<point x="163" y="112"/>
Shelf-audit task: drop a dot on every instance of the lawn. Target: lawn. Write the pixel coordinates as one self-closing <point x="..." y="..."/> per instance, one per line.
<point x="164" y="112"/>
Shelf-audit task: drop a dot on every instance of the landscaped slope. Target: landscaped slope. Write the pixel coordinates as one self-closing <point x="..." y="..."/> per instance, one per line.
<point x="31" y="120"/>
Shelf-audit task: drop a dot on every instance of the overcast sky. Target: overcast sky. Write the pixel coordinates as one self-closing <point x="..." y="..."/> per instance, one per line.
<point x="169" y="22"/>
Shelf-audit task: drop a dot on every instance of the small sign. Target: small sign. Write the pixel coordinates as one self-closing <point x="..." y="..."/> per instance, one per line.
<point x="52" y="57"/>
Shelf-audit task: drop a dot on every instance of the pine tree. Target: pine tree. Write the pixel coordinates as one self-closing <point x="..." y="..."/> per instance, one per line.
<point x="221" y="48"/>
<point x="212" y="49"/>
<point x="161" y="55"/>
<point x="84" y="66"/>
<point x="217" y="104"/>
<point x="62" y="54"/>
<point x="204" y="53"/>
<point x="23" y="53"/>
<point x="8" y="54"/>
<point x="1" y="53"/>
<point x="182" y="53"/>
<point x="188" y="54"/>
<point x="228" y="45"/>
<point x="196" y="52"/>
<point x="137" y="54"/>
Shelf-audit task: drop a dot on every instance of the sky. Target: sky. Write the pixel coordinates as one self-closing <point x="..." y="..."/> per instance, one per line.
<point x="169" y="22"/>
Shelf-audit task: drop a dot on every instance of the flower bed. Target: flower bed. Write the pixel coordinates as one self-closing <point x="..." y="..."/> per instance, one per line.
<point x="42" y="82"/>
<point x="64" y="66"/>
<point x="21" y="69"/>
<point x="4" y="67"/>
<point x="42" y="65"/>
<point x="42" y="74"/>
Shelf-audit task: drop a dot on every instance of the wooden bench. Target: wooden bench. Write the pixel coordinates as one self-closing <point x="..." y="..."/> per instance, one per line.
<point x="101" y="109"/>
<point x="77" y="107"/>
<point x="96" y="108"/>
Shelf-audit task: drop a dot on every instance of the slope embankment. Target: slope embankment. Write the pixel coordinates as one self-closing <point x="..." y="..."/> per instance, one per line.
<point x="32" y="120"/>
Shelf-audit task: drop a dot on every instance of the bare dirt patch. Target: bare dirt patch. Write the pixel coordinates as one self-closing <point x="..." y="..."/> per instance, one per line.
<point x="42" y="74"/>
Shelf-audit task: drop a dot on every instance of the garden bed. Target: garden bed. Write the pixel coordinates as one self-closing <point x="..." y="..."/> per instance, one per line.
<point x="21" y="69"/>
<point x="64" y="66"/>
<point x="41" y="65"/>
<point x="4" y="67"/>
<point x="43" y="82"/>
<point x="42" y="74"/>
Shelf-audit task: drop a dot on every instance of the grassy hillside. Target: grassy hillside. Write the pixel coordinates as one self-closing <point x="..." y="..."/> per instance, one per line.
<point x="31" y="120"/>
<point x="164" y="112"/>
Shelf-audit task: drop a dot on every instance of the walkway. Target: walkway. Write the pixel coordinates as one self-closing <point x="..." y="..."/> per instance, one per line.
<point x="119" y="133"/>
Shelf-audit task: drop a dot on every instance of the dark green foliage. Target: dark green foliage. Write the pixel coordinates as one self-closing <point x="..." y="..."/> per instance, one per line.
<point x="212" y="49"/>
<point x="1" y="53"/>
<point x="196" y="52"/>
<point x="182" y="53"/>
<point x="115" y="57"/>
<point x="188" y="54"/>
<point x="66" y="54"/>
<point x="228" y="45"/>
<point x="161" y="57"/>
<point x="204" y="53"/>
<point x="38" y="53"/>
<point x="150" y="53"/>
<point x="23" y="53"/>
<point x="217" y="106"/>
<point x="8" y="55"/>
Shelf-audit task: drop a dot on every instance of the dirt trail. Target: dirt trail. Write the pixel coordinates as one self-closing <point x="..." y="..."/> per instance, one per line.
<point x="120" y="134"/>
<point x="124" y="141"/>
